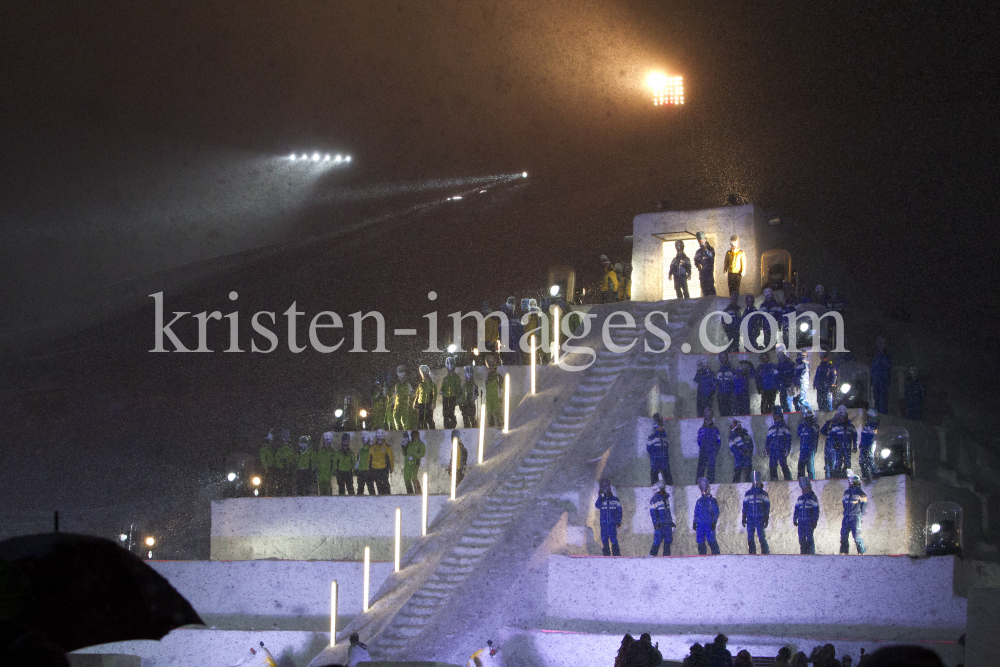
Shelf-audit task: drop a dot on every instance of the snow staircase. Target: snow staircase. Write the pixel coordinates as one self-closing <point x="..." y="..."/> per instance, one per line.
<point x="522" y="483"/>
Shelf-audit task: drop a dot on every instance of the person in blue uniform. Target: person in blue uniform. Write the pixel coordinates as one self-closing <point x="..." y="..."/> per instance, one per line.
<point x="786" y="378"/>
<point x="800" y="380"/>
<point x="778" y="446"/>
<point x="767" y="383"/>
<point x="866" y="448"/>
<point x="706" y="516"/>
<point x="881" y="372"/>
<point x="704" y="378"/>
<point x="770" y="306"/>
<point x="841" y="439"/>
<point x="658" y="448"/>
<point x="756" y="514"/>
<point x="704" y="261"/>
<point x="808" y="433"/>
<point x="855" y="502"/>
<point x="663" y="520"/>
<point x="806" y="516"/>
<point x="913" y="396"/>
<point x="741" y="386"/>
<point x="725" y="385"/>
<point x="741" y="445"/>
<point x="732" y="328"/>
<point x="709" y="442"/>
<point x="611" y="519"/>
<point x="680" y="269"/>
<point x="753" y="324"/>
<point x="824" y="381"/>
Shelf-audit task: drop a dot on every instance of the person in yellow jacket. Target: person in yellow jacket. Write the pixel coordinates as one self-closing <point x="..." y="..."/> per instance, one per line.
<point x="381" y="462"/>
<point x="414" y="451"/>
<point x="609" y="281"/>
<point x="403" y="416"/>
<point x="491" y="330"/>
<point x="424" y="399"/>
<point x="624" y="282"/>
<point x="735" y="265"/>
<point x="322" y="463"/>
<point x="532" y="327"/>
<point x="362" y="466"/>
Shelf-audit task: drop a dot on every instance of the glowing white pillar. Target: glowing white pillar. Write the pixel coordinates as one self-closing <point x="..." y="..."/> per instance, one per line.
<point x="506" y="402"/>
<point x="555" y="334"/>
<point x="454" y="466"/>
<point x="532" y="364"/>
<point x="333" y="612"/>
<point x="482" y="432"/>
<point x="364" y="593"/>
<point x="399" y="526"/>
<point x="423" y="508"/>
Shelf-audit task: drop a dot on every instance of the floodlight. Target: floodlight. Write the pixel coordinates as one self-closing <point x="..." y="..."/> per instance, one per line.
<point x="554" y="290"/>
<point x="231" y="476"/>
<point x="844" y="388"/>
<point x="452" y="348"/>
<point x="256" y="481"/>
<point x="150" y="541"/>
<point x="338" y="413"/>
<point x="666" y="89"/>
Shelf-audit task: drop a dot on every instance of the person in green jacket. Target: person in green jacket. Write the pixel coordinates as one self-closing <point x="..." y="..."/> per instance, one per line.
<point x="494" y="395"/>
<point x="343" y="463"/>
<point x="467" y="402"/>
<point x="413" y="451"/>
<point x="403" y="416"/>
<point x="379" y="405"/>
<point x="322" y="463"/>
<point x="451" y="392"/>
<point x="362" y="466"/>
<point x="305" y="476"/>
<point x="285" y="461"/>
<point x="463" y="458"/>
<point x="424" y="399"/>
<point x="267" y="467"/>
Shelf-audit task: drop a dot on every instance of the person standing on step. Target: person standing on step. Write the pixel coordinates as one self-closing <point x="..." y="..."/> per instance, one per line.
<point x="611" y="519"/>
<point x="742" y="377"/>
<point x="381" y="461"/>
<point x="866" y="450"/>
<point x="402" y="395"/>
<point x="800" y="381"/>
<point x="735" y="265"/>
<point x="357" y="652"/>
<point x="778" y="446"/>
<point x="706" y="516"/>
<point x="717" y="653"/>
<point x="658" y="448"/>
<point x="468" y="399"/>
<point x="379" y="405"/>
<point x="451" y="392"/>
<point x="855" y="502"/>
<point x="771" y="306"/>
<point x="362" y="466"/>
<point x="343" y="464"/>
<point x="725" y="385"/>
<point x="741" y="445"/>
<point x="704" y="261"/>
<point x="609" y="283"/>
<point x="424" y="399"/>
<point x="287" y="463"/>
<point x="841" y="439"/>
<point x="767" y="383"/>
<point x="881" y="374"/>
<point x="913" y="396"/>
<point x="756" y="514"/>
<point x="663" y="520"/>
<point x="709" y="443"/>
<point x="806" y="516"/>
<point x="305" y="476"/>
<point x="323" y="465"/>
<point x="753" y="324"/>
<point x="808" y="432"/>
<point x="266" y="456"/>
<point x="825" y="380"/>
<point x="786" y="378"/>
<point x="732" y="328"/>
<point x="704" y="378"/>
<point x="680" y="269"/>
<point x="413" y="451"/>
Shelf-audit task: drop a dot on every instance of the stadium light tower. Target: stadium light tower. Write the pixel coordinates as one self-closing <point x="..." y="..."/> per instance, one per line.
<point x="666" y="89"/>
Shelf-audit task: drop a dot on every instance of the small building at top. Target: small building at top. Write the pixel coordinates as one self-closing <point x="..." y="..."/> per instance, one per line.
<point x="654" y="237"/>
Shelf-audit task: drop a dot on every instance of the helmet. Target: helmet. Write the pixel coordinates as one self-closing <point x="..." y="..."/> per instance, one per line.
<point x="768" y="293"/>
<point x="328" y="438"/>
<point x="449" y="363"/>
<point x="380" y="434"/>
<point x="605" y="486"/>
<point x="735" y="423"/>
<point x="679" y="245"/>
<point x="532" y="304"/>
<point x="603" y="259"/>
<point x="700" y="236"/>
<point x="872" y="413"/>
<point x="491" y="361"/>
<point x="805" y="484"/>
<point x="619" y="268"/>
<point x="841" y="410"/>
<point x="657" y="418"/>
<point x="748" y="299"/>
<point x="425" y="371"/>
<point x="809" y="414"/>
<point x="723" y="357"/>
<point x="735" y="238"/>
<point x="468" y="373"/>
<point x="414" y="435"/>
<point x="401" y="371"/>
<point x="511" y="302"/>
<point x="270" y="436"/>
<point x="366" y="437"/>
<point x="406" y="437"/>
<point x="345" y="440"/>
<point x="704" y="485"/>
<point x="777" y="413"/>
<point x="707" y="414"/>
<point x="701" y="362"/>
<point x="755" y="479"/>
<point x="486" y="306"/>
<point x="780" y="348"/>
<point x="851" y="477"/>
<point x="456" y="434"/>
<point x="304" y="442"/>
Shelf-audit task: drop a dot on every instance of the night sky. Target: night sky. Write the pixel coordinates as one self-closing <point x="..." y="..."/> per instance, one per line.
<point x="138" y="138"/>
